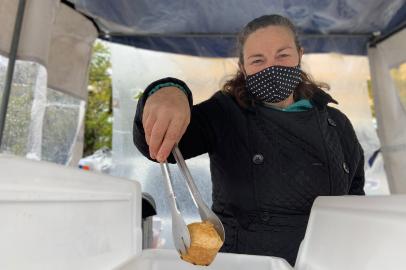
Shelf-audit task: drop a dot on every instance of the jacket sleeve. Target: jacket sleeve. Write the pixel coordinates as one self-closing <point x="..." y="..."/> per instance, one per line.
<point x="354" y="151"/>
<point x="358" y="181"/>
<point x="203" y="133"/>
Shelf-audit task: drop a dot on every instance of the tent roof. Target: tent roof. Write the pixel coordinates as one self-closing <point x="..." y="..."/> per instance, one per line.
<point x="208" y="28"/>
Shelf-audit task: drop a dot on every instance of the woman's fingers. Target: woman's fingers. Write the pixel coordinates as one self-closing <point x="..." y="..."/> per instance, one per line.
<point x="148" y="125"/>
<point x="184" y="127"/>
<point x="172" y="136"/>
<point x="157" y="135"/>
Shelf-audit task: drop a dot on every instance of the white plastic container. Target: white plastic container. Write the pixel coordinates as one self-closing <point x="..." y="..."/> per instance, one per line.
<point x="165" y="259"/>
<point x="355" y="233"/>
<point x="55" y="217"/>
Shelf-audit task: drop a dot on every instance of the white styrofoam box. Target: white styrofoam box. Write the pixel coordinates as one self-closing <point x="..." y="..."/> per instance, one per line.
<point x="55" y="217"/>
<point x="168" y="259"/>
<point x="355" y="233"/>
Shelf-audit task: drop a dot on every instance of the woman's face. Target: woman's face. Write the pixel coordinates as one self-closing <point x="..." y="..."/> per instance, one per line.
<point x="270" y="46"/>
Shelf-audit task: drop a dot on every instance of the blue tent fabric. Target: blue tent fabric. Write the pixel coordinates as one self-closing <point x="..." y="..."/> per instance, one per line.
<point x="398" y="21"/>
<point x="208" y="28"/>
<point x="225" y="46"/>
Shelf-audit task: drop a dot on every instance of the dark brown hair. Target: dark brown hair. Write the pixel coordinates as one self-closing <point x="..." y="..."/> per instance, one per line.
<point x="236" y="85"/>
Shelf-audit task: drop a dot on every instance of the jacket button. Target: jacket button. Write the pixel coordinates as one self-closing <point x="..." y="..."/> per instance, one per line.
<point x="258" y="159"/>
<point x="265" y="216"/>
<point x="331" y="122"/>
<point x="345" y="167"/>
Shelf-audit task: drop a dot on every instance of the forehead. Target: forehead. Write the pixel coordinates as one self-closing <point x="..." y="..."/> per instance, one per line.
<point x="269" y="38"/>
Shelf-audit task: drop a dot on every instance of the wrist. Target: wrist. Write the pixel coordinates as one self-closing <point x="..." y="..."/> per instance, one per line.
<point x="167" y="84"/>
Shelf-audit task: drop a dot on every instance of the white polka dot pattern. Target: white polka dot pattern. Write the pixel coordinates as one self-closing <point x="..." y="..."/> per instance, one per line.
<point x="274" y="84"/>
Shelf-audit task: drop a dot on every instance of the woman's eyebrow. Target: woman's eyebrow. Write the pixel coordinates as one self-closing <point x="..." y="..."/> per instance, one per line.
<point x="261" y="55"/>
<point x="283" y="48"/>
<point x="256" y="55"/>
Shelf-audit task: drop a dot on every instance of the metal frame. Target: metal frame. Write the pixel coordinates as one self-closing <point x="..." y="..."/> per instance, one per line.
<point x="11" y="65"/>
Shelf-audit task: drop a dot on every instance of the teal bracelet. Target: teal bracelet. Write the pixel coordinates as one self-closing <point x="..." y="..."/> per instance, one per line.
<point x="159" y="86"/>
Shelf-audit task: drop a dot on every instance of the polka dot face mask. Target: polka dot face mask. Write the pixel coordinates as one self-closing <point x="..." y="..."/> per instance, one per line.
<point x="273" y="84"/>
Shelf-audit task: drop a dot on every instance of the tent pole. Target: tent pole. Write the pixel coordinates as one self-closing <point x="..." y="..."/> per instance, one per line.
<point x="11" y="64"/>
<point x="379" y="39"/>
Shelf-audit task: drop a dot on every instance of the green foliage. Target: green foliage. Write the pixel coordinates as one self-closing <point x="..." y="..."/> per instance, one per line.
<point x="399" y="77"/>
<point x="15" y="137"/>
<point x="371" y="98"/>
<point x="138" y="96"/>
<point x="98" y="119"/>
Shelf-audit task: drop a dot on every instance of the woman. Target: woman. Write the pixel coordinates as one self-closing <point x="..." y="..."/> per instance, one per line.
<point x="274" y="143"/>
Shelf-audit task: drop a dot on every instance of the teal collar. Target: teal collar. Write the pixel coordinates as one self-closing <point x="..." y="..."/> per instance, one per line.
<point x="299" y="106"/>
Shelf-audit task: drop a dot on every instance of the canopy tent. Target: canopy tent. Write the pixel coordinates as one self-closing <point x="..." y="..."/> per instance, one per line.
<point x="208" y="28"/>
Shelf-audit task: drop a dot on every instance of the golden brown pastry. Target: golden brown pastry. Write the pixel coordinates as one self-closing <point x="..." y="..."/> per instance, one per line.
<point x="204" y="245"/>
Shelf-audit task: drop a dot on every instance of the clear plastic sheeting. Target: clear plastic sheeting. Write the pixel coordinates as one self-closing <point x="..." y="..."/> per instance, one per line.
<point x="17" y="126"/>
<point x="41" y="123"/>
<point x="134" y="69"/>
<point x="206" y="28"/>
<point x="390" y="112"/>
<point x="62" y="118"/>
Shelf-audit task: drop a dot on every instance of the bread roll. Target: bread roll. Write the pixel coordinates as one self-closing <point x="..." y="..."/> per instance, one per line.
<point x="205" y="243"/>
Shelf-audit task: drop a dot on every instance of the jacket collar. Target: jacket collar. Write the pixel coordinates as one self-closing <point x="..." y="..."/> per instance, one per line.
<point x="320" y="100"/>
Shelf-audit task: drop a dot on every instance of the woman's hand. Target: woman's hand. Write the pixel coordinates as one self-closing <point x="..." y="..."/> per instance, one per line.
<point x="165" y="119"/>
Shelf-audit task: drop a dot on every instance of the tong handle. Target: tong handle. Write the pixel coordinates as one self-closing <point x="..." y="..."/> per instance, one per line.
<point x="194" y="191"/>
<point x="168" y="187"/>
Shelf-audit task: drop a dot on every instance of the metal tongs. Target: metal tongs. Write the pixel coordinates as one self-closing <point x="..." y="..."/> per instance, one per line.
<point x="180" y="232"/>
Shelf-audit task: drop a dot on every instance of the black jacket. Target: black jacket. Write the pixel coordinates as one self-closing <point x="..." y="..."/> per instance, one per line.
<point x="268" y="166"/>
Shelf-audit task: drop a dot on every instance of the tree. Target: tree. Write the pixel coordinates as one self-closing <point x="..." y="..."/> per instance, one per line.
<point x="98" y="119"/>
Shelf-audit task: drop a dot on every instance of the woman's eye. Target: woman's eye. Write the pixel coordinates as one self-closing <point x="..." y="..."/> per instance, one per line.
<point x="284" y="55"/>
<point x="257" y="61"/>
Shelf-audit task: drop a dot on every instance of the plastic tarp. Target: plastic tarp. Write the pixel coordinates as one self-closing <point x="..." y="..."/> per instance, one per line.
<point x="208" y="28"/>
<point x="391" y="115"/>
<point x="36" y="28"/>
<point x="135" y="68"/>
<point x="70" y="52"/>
<point x="55" y="36"/>
<point x="52" y="73"/>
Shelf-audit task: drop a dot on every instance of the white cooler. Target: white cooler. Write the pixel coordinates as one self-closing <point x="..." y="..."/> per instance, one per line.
<point x="355" y="233"/>
<point x="168" y="259"/>
<point x="54" y="217"/>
